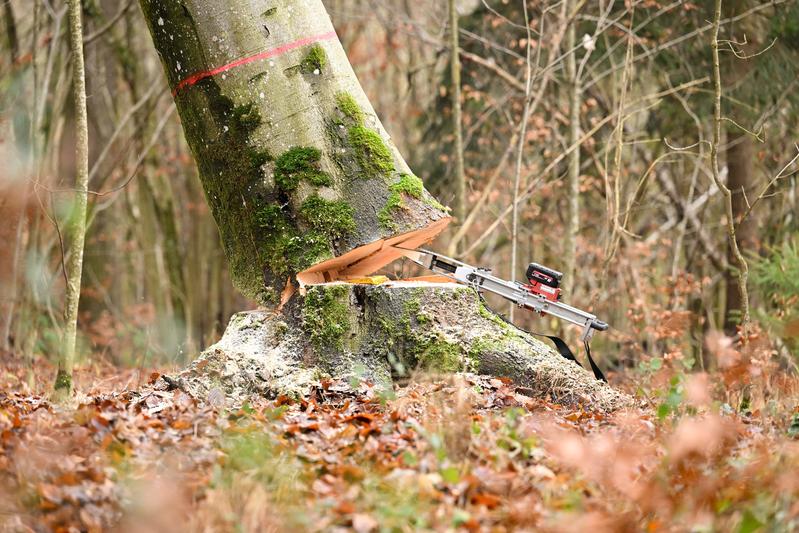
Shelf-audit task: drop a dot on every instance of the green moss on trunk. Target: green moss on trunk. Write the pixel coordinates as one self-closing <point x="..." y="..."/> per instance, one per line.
<point x="371" y="153"/>
<point x="300" y="163"/>
<point x="326" y="315"/>
<point x="63" y="386"/>
<point x="288" y="248"/>
<point x="334" y="219"/>
<point x="408" y="184"/>
<point x="230" y="166"/>
<point x="315" y="60"/>
<point x="439" y="355"/>
<point x="349" y="107"/>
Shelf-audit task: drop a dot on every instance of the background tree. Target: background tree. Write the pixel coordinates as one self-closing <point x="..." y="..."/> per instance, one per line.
<point x="457" y="115"/>
<point x="77" y="225"/>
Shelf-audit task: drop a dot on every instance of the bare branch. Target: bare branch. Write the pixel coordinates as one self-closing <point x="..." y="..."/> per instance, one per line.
<point x="780" y="175"/>
<point x="757" y="135"/>
<point x="108" y="25"/>
<point x="555" y="162"/>
<point x="741" y="55"/>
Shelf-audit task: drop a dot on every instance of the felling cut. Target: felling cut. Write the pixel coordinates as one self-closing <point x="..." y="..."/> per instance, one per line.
<point x="370" y="258"/>
<point x="308" y="191"/>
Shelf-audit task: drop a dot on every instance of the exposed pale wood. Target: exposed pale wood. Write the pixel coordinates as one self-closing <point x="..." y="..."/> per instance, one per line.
<point x="370" y="258"/>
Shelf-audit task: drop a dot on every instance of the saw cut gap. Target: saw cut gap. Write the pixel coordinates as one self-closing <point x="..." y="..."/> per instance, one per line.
<point x="369" y="258"/>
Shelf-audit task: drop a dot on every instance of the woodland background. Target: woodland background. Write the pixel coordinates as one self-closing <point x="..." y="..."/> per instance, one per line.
<point x="617" y="191"/>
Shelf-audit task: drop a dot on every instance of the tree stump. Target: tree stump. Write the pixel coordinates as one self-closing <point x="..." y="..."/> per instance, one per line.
<point x="381" y="333"/>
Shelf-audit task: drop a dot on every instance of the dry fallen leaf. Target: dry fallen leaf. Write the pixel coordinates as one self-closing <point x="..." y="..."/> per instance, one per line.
<point x="363" y="523"/>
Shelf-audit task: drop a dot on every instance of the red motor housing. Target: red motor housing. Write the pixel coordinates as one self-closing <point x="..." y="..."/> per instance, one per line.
<point x="547" y="292"/>
<point x="544" y="281"/>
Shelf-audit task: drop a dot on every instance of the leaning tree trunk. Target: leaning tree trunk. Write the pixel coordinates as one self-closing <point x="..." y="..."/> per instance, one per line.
<point x="296" y="166"/>
<point x="308" y="191"/>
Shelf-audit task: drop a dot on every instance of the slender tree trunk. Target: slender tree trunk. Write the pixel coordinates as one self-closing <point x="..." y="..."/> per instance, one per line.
<point x="573" y="176"/>
<point x="12" y="39"/>
<point x="740" y="154"/>
<point x="522" y="140"/>
<point x="13" y="195"/>
<point x="163" y="202"/>
<point x="160" y="234"/>
<point x="156" y="286"/>
<point x="13" y="187"/>
<point x="77" y="226"/>
<point x="457" y="114"/>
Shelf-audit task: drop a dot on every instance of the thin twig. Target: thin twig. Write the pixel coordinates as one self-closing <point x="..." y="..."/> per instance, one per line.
<point x="770" y="184"/>
<point x="740" y="55"/>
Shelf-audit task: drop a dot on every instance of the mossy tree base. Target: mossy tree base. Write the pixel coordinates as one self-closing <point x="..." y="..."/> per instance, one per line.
<point x="382" y="333"/>
<point x="62" y="390"/>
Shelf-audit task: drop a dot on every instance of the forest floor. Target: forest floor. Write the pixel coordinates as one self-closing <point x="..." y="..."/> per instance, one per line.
<point x="446" y="453"/>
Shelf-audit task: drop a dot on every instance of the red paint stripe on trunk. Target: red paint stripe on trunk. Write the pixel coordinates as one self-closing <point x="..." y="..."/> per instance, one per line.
<point x="272" y="52"/>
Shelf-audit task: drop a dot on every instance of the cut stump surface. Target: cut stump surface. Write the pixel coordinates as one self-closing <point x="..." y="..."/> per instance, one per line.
<point x="381" y="333"/>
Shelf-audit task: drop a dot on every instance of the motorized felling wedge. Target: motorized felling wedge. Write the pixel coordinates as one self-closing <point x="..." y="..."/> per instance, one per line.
<point x="541" y="295"/>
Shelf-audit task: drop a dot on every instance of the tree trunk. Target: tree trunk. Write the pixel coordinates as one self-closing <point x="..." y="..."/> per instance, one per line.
<point x="308" y="190"/>
<point x="13" y="186"/>
<point x="457" y="112"/>
<point x="12" y="39"/>
<point x="573" y="176"/>
<point x="77" y="226"/>
<point x="13" y="192"/>
<point x="740" y="178"/>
